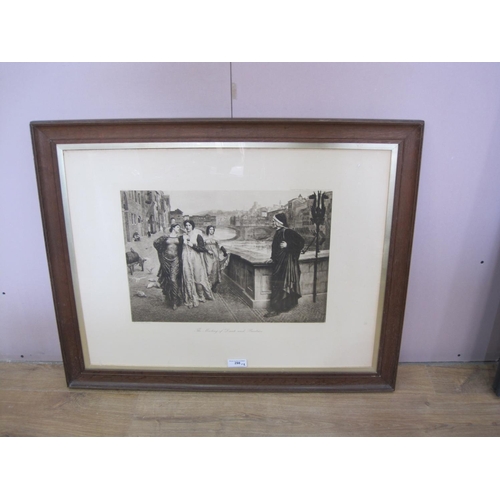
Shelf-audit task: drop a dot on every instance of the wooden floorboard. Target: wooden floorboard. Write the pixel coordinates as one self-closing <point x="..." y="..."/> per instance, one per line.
<point x="430" y="400"/>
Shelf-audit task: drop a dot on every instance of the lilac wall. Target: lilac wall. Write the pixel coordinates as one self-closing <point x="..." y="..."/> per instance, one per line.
<point x="452" y="305"/>
<point x="454" y="289"/>
<point x="72" y="91"/>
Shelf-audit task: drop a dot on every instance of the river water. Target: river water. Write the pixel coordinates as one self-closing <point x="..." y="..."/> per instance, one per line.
<point x="256" y="251"/>
<point x="225" y="233"/>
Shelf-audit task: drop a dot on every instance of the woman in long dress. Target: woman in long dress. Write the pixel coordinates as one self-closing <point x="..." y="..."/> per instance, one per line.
<point x="169" y="250"/>
<point x="216" y="258"/>
<point x="196" y="286"/>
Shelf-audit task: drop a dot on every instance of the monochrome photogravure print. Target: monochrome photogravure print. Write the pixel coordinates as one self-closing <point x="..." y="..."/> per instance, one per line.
<point x="227" y="256"/>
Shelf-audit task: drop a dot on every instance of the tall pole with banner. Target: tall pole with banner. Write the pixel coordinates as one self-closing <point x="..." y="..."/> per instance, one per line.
<point x="318" y="211"/>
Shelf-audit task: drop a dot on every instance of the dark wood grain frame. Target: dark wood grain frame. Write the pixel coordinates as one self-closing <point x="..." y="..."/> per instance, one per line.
<point x="407" y="134"/>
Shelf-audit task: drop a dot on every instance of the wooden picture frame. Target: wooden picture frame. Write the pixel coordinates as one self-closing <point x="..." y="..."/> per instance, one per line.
<point x="106" y="186"/>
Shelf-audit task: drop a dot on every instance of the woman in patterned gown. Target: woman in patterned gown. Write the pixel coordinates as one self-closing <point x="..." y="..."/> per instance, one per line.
<point x="216" y="258"/>
<point x="194" y="273"/>
<point x="169" y="250"/>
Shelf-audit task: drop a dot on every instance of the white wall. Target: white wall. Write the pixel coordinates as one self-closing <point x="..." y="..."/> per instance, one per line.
<point x="454" y="289"/>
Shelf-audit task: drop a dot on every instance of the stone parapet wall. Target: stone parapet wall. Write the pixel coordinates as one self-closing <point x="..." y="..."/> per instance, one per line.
<point x="253" y="279"/>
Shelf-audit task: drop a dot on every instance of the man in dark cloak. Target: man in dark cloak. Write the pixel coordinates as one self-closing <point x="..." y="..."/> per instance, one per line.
<point x="285" y="279"/>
